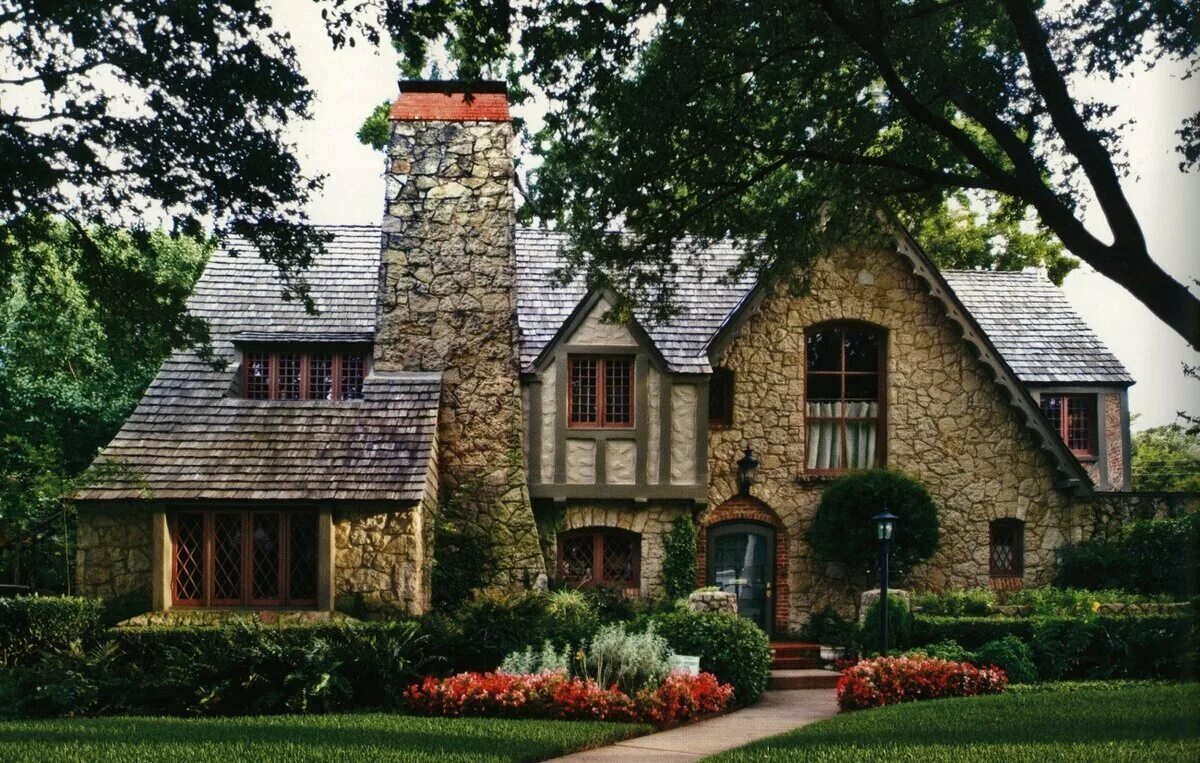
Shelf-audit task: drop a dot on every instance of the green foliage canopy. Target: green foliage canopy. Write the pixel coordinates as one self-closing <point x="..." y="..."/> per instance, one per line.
<point x="1166" y="458"/>
<point x="788" y="126"/>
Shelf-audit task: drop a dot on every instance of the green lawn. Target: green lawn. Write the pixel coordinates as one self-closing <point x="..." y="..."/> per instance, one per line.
<point x="350" y="737"/>
<point x="1074" y="722"/>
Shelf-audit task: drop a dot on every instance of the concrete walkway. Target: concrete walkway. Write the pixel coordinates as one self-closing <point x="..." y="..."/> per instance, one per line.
<point x="775" y="713"/>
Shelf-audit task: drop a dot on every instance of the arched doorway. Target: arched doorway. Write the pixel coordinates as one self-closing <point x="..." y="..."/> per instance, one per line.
<point x="741" y="560"/>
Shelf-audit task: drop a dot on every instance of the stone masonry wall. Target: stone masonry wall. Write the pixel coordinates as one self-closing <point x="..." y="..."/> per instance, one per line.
<point x="113" y="555"/>
<point x="380" y="562"/>
<point x="948" y="425"/>
<point x="448" y="305"/>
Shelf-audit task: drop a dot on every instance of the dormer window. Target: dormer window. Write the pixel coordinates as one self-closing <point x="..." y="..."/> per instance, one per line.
<point x="601" y="391"/>
<point x="293" y="374"/>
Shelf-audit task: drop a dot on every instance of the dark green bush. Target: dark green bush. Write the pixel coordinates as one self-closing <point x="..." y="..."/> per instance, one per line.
<point x="34" y="628"/>
<point x="679" y="558"/>
<point x="971" y="632"/>
<point x="900" y="627"/>
<point x="945" y="650"/>
<point x="1150" y="556"/>
<point x="971" y="602"/>
<point x="842" y="530"/>
<point x="829" y="628"/>
<point x="1010" y="654"/>
<point x="1060" y="644"/>
<point x="732" y="648"/>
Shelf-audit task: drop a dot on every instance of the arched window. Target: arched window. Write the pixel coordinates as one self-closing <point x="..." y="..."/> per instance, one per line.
<point x="844" y="393"/>
<point x="1007" y="552"/>
<point x="600" y="556"/>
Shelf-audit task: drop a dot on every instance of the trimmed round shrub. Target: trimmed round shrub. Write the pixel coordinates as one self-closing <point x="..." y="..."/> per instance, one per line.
<point x="1012" y="655"/>
<point x="730" y="647"/>
<point x="900" y="627"/>
<point x="843" y="530"/>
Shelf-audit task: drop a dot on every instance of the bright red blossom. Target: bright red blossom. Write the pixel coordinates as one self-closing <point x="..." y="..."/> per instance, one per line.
<point x="889" y="680"/>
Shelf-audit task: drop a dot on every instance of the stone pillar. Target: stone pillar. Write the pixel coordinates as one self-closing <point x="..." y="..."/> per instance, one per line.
<point x="160" y="565"/>
<point x="448" y="304"/>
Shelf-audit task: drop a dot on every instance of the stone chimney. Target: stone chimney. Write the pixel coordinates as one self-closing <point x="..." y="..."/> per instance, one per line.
<point x="448" y="304"/>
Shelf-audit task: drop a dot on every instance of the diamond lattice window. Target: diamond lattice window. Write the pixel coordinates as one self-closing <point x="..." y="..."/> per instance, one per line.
<point x="600" y="556"/>
<point x="239" y="558"/>
<point x="1007" y="548"/>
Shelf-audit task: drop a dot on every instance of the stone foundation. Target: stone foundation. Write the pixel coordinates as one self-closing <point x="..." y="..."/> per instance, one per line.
<point x="113" y="553"/>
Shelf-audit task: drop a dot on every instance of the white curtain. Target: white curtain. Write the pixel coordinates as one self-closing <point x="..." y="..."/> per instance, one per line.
<point x="747" y="576"/>
<point x="824" y="449"/>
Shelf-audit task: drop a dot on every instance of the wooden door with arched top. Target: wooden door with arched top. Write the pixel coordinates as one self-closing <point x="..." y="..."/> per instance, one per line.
<point x="741" y="561"/>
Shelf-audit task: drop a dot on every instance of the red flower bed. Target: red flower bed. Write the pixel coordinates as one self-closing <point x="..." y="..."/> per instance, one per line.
<point x="888" y="680"/>
<point x="553" y="695"/>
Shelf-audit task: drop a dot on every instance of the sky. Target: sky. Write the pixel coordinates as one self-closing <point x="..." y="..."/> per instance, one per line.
<point x="350" y="82"/>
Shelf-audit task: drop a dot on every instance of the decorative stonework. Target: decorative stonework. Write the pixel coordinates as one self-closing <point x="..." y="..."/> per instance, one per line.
<point x="380" y="562"/>
<point x="448" y="305"/>
<point x="948" y="425"/>
<point x="113" y="554"/>
<point x="712" y="601"/>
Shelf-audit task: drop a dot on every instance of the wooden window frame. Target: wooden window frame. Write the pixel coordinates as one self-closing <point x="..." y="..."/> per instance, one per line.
<point x="721" y="404"/>
<point x="208" y="561"/>
<point x="598" y="534"/>
<point x="1017" y="527"/>
<point x="1062" y="426"/>
<point x="601" y="393"/>
<point x="880" y="373"/>
<point x="338" y="355"/>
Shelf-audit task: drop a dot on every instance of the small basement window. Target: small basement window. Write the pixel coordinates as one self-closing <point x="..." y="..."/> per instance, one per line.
<point x="600" y="557"/>
<point x="720" y="399"/>
<point x="600" y="391"/>
<point x="1073" y="417"/>
<point x="284" y="374"/>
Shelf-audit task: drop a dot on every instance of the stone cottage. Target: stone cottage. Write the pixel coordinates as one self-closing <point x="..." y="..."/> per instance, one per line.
<point x="448" y="377"/>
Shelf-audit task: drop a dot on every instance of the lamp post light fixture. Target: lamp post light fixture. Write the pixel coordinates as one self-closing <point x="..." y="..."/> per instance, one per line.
<point x="885" y="525"/>
<point x="747" y="470"/>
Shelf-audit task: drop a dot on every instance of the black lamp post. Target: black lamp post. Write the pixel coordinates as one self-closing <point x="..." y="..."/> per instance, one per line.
<point x="885" y="524"/>
<point x="747" y="469"/>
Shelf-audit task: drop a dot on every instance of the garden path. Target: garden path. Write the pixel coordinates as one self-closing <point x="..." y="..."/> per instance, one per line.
<point x="775" y="713"/>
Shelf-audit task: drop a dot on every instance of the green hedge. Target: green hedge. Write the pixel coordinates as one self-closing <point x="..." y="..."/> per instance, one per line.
<point x="732" y="648"/>
<point x="34" y="628"/>
<point x="1142" y="646"/>
<point x="1150" y="556"/>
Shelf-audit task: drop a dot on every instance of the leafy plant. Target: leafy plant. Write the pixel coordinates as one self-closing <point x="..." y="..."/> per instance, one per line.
<point x="842" y="529"/>
<point x="37" y="628"/>
<point x="890" y="680"/>
<point x="829" y="628"/>
<point x="628" y="661"/>
<point x="679" y="558"/>
<point x="546" y="660"/>
<point x="967" y="602"/>
<point x="900" y="626"/>
<point x="944" y="650"/>
<point x="732" y="648"/>
<point x="1010" y="654"/>
<point x="1149" y="556"/>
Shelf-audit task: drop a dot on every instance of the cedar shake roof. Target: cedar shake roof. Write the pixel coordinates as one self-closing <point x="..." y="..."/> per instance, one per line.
<point x="1035" y="329"/>
<point x="702" y="295"/>
<point x="192" y="438"/>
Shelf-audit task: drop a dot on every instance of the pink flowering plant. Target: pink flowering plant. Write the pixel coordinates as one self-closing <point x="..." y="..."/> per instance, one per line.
<point x="890" y="680"/>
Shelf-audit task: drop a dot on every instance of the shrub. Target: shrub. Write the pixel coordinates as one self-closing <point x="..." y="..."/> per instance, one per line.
<point x="971" y="632"/>
<point x="842" y="530"/>
<point x="569" y="617"/>
<point x="1150" y="556"/>
<point x="494" y="624"/>
<point x="889" y="680"/>
<point x="35" y="628"/>
<point x="944" y="650"/>
<point x="529" y="662"/>
<point x="1010" y="654"/>
<point x="970" y="602"/>
<point x="732" y="648"/>
<point x="628" y="661"/>
<point x="900" y="626"/>
<point x="679" y="558"/>
<point x="1072" y="601"/>
<point x="676" y="699"/>
<point x="611" y="604"/>
<point x="1060" y="644"/>
<point x="829" y="628"/>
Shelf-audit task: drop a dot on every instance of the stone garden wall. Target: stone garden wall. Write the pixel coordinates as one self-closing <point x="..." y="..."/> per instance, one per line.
<point x="948" y="425"/>
<point x="113" y="552"/>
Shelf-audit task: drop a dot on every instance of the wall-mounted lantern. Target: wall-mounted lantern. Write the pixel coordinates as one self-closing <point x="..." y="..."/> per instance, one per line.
<point x="747" y="471"/>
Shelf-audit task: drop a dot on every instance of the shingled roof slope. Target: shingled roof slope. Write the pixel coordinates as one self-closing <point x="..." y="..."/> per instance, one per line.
<point x="704" y="298"/>
<point x="191" y="439"/>
<point x="1035" y="329"/>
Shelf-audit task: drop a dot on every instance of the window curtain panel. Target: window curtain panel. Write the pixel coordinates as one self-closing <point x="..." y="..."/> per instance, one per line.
<point x="824" y="447"/>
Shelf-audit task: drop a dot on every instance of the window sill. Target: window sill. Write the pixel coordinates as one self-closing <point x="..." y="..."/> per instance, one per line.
<point x="806" y="478"/>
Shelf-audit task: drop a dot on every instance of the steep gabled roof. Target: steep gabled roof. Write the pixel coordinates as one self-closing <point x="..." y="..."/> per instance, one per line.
<point x="189" y="438"/>
<point x="703" y="296"/>
<point x="1034" y="327"/>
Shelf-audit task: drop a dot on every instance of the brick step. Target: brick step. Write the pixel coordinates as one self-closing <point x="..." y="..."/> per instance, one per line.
<point x="795" y="663"/>
<point x="802" y="679"/>
<point x="797" y="650"/>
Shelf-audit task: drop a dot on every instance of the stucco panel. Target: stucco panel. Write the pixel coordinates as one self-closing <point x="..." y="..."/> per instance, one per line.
<point x="683" y="434"/>
<point x="581" y="462"/>
<point x="653" y="415"/>
<point x="550" y="403"/>
<point x="593" y="329"/>
<point x="620" y="462"/>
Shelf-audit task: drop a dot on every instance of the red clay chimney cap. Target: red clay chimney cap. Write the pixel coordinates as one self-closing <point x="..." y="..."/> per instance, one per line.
<point x="451" y="101"/>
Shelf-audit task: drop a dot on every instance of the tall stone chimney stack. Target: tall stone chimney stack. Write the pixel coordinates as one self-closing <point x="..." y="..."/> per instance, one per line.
<point x="449" y="304"/>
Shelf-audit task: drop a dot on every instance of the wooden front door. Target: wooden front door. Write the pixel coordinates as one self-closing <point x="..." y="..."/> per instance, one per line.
<point x="741" y="560"/>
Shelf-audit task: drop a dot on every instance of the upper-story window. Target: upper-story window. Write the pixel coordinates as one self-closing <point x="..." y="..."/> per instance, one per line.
<point x="1074" y="418"/>
<point x="720" y="399"/>
<point x="284" y="374"/>
<point x="601" y="391"/>
<point x="843" y="391"/>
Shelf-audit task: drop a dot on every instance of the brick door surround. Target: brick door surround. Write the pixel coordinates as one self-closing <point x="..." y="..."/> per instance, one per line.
<point x="747" y="508"/>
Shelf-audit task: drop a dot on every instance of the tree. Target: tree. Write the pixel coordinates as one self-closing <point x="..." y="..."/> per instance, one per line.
<point x="1166" y="458"/>
<point x="86" y="318"/>
<point x="789" y="125"/>
<point x="112" y="111"/>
